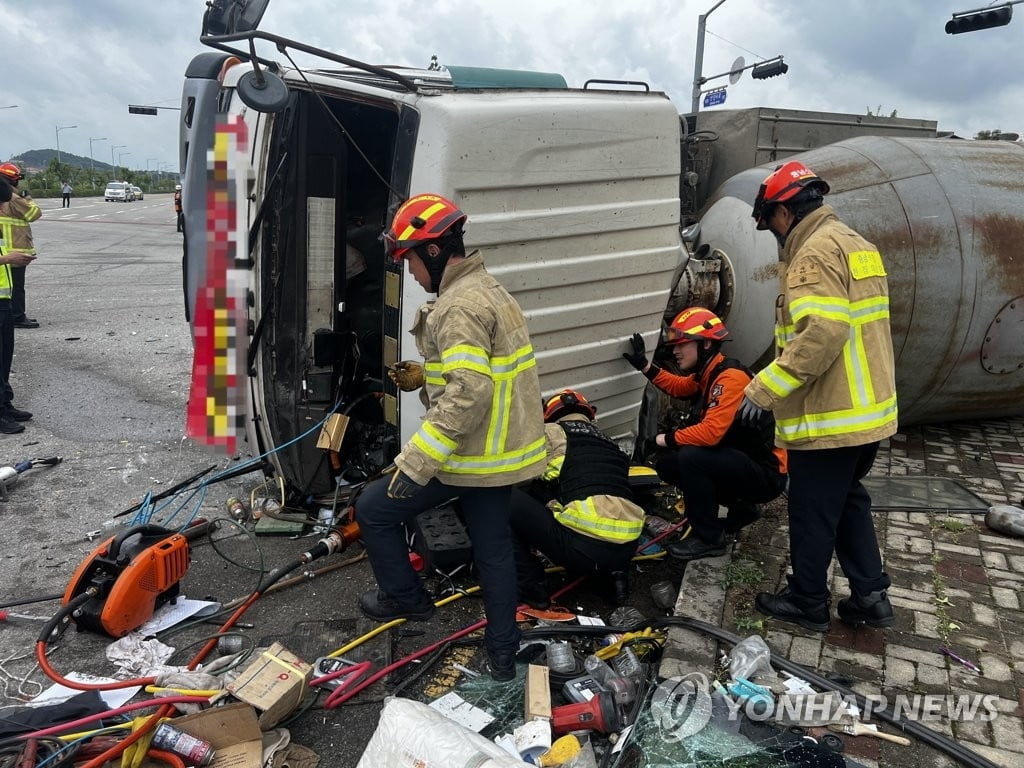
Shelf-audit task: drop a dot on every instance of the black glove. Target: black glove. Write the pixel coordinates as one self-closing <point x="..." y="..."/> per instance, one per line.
<point x="638" y="357"/>
<point x="402" y="486"/>
<point x="750" y="413"/>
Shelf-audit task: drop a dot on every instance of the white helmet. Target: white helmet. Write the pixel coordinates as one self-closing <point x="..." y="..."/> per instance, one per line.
<point x="177" y="186"/>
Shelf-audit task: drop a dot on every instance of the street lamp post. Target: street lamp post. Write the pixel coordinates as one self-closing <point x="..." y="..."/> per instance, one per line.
<point x="92" y="162"/>
<point x="698" y="65"/>
<point x="113" y="167"/>
<point x="57" y="130"/>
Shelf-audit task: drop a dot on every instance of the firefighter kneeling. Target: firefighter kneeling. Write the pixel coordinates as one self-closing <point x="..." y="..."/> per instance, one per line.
<point x="714" y="459"/>
<point x="581" y="514"/>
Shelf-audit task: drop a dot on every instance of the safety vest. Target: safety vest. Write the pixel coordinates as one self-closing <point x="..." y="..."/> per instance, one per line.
<point x="832" y="383"/>
<point x="592" y="477"/>
<point x="15" y="217"/>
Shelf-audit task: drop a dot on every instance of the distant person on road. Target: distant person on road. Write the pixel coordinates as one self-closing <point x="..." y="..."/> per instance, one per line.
<point x="10" y="417"/>
<point x="65" y="190"/>
<point x="177" y="208"/>
<point x="15" y="216"/>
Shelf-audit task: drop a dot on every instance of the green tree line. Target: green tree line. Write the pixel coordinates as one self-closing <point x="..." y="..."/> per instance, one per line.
<point x="47" y="182"/>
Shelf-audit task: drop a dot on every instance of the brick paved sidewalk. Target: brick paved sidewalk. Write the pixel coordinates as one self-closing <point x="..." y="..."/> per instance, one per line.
<point x="955" y="583"/>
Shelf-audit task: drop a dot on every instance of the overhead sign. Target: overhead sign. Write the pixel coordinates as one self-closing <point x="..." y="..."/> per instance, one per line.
<point x="714" y="98"/>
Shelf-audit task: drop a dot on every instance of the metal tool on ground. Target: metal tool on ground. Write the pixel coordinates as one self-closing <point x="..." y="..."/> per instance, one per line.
<point x="9" y="475"/>
<point x="599" y="714"/>
<point x="857" y="728"/>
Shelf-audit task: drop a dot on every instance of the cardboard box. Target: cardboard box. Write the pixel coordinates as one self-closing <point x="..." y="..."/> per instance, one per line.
<point x="275" y="683"/>
<point x="333" y="432"/>
<point x="232" y="730"/>
<point x="538" y="693"/>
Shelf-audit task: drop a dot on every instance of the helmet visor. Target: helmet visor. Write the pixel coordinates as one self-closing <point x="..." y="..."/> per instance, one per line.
<point x="673" y="335"/>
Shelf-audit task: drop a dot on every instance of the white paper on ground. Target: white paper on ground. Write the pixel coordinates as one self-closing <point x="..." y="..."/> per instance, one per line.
<point x="113" y="699"/>
<point x="456" y="708"/>
<point x="174" y="613"/>
<point x="590" y="621"/>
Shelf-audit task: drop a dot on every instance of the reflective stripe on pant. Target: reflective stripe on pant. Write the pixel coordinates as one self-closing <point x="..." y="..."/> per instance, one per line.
<point x="830" y="510"/>
<point x="485" y="512"/>
<point x="533" y="525"/>
<point x="708" y="476"/>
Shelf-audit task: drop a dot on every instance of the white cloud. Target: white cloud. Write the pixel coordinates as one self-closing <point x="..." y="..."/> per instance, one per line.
<point x="82" y="63"/>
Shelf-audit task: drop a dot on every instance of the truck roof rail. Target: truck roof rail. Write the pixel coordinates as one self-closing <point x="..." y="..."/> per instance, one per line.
<point x="637" y="83"/>
<point x="283" y="43"/>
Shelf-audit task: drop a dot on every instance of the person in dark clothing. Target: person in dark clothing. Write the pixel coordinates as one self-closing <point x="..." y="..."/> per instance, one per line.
<point x="11" y="418"/>
<point x="714" y="460"/>
<point x="581" y="514"/>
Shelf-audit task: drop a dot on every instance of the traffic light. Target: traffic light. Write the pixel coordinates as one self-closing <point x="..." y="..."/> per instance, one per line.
<point x="135" y="109"/>
<point x="771" y="68"/>
<point x="983" y="19"/>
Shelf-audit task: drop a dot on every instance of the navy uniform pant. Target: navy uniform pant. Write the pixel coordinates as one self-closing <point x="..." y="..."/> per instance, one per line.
<point x="486" y="514"/>
<point x="709" y="476"/>
<point x="535" y="527"/>
<point x="830" y="511"/>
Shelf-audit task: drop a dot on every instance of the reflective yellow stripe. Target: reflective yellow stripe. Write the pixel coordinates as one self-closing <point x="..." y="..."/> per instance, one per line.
<point x="554" y="468"/>
<point x="467" y="357"/>
<point x="777" y="380"/>
<point x="508" y="461"/>
<point x="842" y="422"/>
<point x="429" y="440"/>
<point x="582" y="516"/>
<point x="829" y="307"/>
<point x="409" y="231"/>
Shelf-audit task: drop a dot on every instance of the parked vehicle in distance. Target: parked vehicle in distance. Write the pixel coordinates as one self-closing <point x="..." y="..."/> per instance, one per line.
<point x="137" y="192"/>
<point x="118" y="192"/>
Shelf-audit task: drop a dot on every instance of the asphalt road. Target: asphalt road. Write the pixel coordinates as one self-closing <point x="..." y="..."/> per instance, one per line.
<point x="107" y="377"/>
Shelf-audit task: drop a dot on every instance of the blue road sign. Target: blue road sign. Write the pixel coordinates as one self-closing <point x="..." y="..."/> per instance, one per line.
<point x="714" y="98"/>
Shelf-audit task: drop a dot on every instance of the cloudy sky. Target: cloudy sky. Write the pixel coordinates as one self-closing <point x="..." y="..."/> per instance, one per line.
<point x="81" y="62"/>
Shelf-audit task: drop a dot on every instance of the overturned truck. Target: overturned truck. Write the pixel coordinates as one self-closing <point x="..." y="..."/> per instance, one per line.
<point x="577" y="198"/>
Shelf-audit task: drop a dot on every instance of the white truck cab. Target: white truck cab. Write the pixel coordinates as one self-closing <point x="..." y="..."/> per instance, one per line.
<point x="572" y="195"/>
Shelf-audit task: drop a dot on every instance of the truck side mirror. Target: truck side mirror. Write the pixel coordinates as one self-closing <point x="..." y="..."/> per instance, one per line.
<point x="263" y="91"/>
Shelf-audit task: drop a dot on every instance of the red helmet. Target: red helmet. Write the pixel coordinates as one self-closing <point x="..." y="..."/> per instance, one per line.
<point x="565" y="402"/>
<point x="11" y="171"/>
<point x="782" y="184"/>
<point x="419" y="220"/>
<point x="695" y="324"/>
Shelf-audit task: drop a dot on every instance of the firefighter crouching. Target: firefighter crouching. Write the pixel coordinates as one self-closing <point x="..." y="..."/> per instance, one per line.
<point x="714" y="460"/>
<point x="581" y="516"/>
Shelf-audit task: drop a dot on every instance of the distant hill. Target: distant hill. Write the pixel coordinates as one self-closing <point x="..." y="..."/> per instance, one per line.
<point x="37" y="159"/>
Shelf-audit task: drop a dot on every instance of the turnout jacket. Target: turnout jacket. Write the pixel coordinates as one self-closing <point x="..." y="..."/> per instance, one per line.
<point x="483" y="426"/>
<point x="15" y="217"/>
<point x="591" y="478"/>
<point x="832" y="383"/>
<point x="721" y="388"/>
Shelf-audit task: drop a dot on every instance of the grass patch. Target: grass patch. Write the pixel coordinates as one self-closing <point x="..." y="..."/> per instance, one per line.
<point x="951" y="525"/>
<point x="741" y="572"/>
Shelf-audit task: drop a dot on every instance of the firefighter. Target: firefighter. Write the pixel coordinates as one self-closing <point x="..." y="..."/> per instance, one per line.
<point x="177" y="208"/>
<point x="482" y="432"/>
<point x="832" y="390"/>
<point x="16" y="216"/>
<point x="582" y="515"/>
<point x="713" y="459"/>
<point x="11" y="418"/>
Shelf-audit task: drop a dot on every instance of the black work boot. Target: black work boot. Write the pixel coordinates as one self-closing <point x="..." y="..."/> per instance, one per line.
<point x="378" y="606"/>
<point x="693" y="547"/>
<point x="741" y="514"/>
<point x="873" y="609"/>
<point x="620" y="586"/>
<point x="502" y="664"/>
<point x="785" y="606"/>
<point x="10" y="427"/>
<point x="534" y="595"/>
